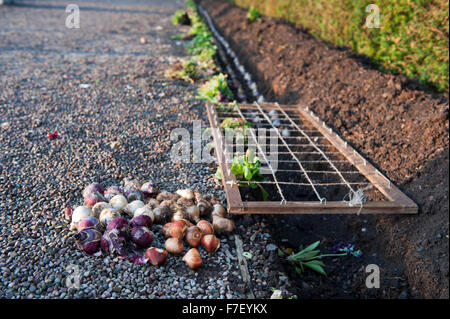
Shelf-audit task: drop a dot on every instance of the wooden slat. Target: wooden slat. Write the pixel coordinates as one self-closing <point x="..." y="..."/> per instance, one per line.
<point x="368" y="170"/>
<point x="232" y="191"/>
<point x="318" y="208"/>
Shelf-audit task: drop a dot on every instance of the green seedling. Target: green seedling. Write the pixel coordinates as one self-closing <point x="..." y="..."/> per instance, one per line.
<point x="309" y="257"/>
<point x="215" y="90"/>
<point x="247" y="168"/>
<point x="253" y="14"/>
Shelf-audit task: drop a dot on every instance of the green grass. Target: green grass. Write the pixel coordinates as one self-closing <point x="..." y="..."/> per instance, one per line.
<point x="412" y="39"/>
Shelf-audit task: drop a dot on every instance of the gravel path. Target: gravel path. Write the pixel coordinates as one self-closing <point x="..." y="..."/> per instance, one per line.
<point x="96" y="85"/>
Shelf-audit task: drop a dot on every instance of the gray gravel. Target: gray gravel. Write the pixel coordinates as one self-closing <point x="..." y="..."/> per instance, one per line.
<point x="98" y="85"/>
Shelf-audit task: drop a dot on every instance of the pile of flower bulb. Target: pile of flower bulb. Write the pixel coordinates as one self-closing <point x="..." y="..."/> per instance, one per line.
<point x="118" y="220"/>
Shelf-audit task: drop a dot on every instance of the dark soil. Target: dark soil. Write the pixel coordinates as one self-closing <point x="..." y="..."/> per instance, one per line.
<point x="394" y="122"/>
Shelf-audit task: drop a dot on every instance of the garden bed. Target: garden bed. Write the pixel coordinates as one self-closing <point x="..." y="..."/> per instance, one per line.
<point x="393" y="120"/>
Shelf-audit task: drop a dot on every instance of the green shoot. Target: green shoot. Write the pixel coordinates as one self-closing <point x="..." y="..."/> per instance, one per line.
<point x="246" y="168"/>
<point x="253" y="14"/>
<point x="215" y="90"/>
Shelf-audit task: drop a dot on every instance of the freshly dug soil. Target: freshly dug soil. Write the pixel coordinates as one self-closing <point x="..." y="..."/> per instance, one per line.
<point x="395" y="123"/>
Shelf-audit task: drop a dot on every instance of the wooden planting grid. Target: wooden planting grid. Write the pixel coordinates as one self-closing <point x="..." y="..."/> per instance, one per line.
<point x="316" y="172"/>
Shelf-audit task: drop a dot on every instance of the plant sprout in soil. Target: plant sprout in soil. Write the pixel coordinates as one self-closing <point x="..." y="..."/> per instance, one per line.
<point x="309" y="256"/>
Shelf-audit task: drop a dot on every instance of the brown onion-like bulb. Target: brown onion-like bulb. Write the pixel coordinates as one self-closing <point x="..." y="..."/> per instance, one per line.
<point x="165" y="196"/>
<point x="218" y="210"/>
<point x="193" y="258"/>
<point x="186" y="193"/>
<point x="156" y="256"/>
<point x="184" y="202"/>
<point x="193" y="236"/>
<point x="222" y="225"/>
<point x="174" y="245"/>
<point x="188" y="223"/>
<point x="179" y="214"/>
<point x="206" y="227"/>
<point x="211" y="243"/>
<point x="193" y="213"/>
<point x="174" y="230"/>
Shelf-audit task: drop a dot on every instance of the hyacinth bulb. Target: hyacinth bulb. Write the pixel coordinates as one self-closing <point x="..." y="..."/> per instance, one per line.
<point x="156" y="256"/>
<point x="121" y="224"/>
<point x="144" y="211"/>
<point x="132" y="193"/>
<point x="89" y="222"/>
<point x="112" y="191"/>
<point x="93" y="198"/>
<point x="141" y="236"/>
<point x="92" y="188"/>
<point x="80" y="213"/>
<point x="98" y="208"/>
<point x="141" y="220"/>
<point x="131" y="207"/>
<point x="118" y="202"/>
<point x="113" y="242"/>
<point x="149" y="189"/>
<point x="89" y="240"/>
<point x="134" y="183"/>
<point x="107" y="215"/>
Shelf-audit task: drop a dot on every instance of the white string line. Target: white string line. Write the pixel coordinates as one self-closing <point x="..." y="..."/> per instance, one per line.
<point x="318" y="161"/>
<point x="317" y="148"/>
<point x="318" y="172"/>
<point x="298" y="145"/>
<point x="292" y="154"/>
<point x="283" y="199"/>
<point x="306" y="184"/>
<point x="311" y="153"/>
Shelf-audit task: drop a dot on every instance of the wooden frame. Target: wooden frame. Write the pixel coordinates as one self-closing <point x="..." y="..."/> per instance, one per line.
<point x="397" y="202"/>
